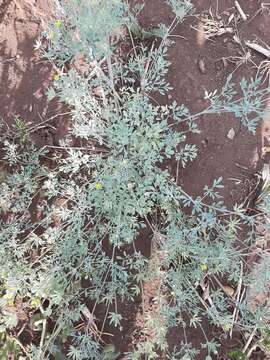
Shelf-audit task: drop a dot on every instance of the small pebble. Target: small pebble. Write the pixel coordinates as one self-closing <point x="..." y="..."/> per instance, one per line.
<point x="231" y="134"/>
<point x="225" y="63"/>
<point x="205" y="142"/>
<point x="201" y="65"/>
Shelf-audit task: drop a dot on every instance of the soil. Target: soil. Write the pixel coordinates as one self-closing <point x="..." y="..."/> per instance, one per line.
<point x="196" y="66"/>
<point x="240" y="157"/>
<point x="25" y="75"/>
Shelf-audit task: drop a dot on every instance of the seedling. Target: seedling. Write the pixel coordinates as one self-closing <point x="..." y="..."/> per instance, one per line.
<point x="22" y="130"/>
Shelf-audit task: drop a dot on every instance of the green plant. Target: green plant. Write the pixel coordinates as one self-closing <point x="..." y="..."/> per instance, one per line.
<point x="236" y="354"/>
<point x="264" y="341"/>
<point x="21" y="128"/>
<point x="9" y="348"/>
<point x="114" y="185"/>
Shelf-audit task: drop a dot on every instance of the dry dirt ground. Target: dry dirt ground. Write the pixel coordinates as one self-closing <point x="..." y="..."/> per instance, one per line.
<point x="197" y="66"/>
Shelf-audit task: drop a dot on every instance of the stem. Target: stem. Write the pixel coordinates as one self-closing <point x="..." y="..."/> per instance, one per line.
<point x="146" y="69"/>
<point x="238" y="298"/>
<point x="44" y="327"/>
<point x="116" y="96"/>
<point x="20" y="344"/>
<point x="250" y="339"/>
<point x="240" y="10"/>
<point x="43" y="334"/>
<point x="258" y="48"/>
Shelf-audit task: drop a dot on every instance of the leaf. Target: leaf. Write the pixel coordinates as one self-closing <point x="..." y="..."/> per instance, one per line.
<point x="51" y="94"/>
<point x="10" y="320"/>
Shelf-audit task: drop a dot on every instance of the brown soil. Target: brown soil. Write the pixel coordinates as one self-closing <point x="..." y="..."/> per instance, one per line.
<point x="239" y="158"/>
<point x="218" y="155"/>
<point x="25" y="78"/>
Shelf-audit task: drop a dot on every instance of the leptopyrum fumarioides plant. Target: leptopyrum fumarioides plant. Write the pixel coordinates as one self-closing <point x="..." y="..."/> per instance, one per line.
<point x="110" y="187"/>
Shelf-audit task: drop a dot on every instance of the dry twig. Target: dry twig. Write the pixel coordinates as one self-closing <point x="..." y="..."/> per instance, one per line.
<point x="258" y="48"/>
<point x="210" y="27"/>
<point x="264" y="69"/>
<point x="250" y="339"/>
<point x="240" y="10"/>
<point x="90" y="326"/>
<point x="238" y="292"/>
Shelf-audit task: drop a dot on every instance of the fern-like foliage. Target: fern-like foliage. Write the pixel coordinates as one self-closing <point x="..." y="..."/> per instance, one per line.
<point x="56" y="219"/>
